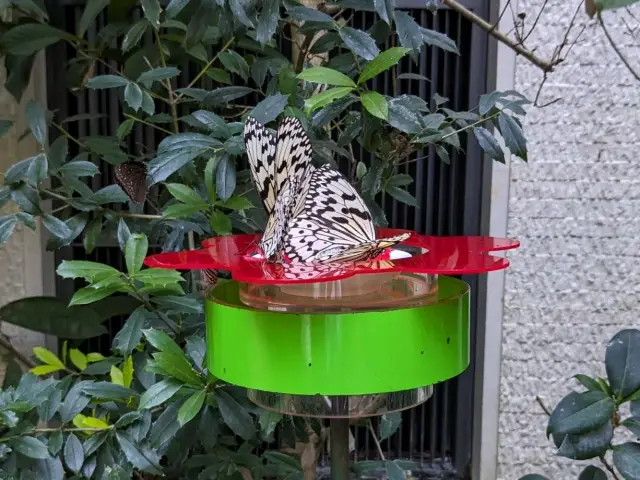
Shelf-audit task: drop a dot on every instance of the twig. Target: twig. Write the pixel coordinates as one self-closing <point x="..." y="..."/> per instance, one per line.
<point x="545" y="66"/>
<point x="7" y="345"/>
<point x="602" y="459"/>
<point x="535" y="22"/>
<point x="149" y="124"/>
<point x="375" y="439"/>
<point x="616" y="49"/>
<point x="206" y="67"/>
<point x="495" y="25"/>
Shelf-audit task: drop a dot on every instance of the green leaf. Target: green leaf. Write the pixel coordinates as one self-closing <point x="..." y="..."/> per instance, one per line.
<point x="165" y="427"/>
<point x="18" y="171"/>
<point x="29" y="38"/>
<point x="212" y="121"/>
<point x="107" y="81"/>
<point x="235" y="416"/>
<point x="148" y="105"/>
<point x="178" y="366"/>
<point x="30" y="447"/>
<point x="159" y="276"/>
<point x="580" y="413"/>
<point x="73" y="453"/>
<point x="375" y="104"/>
<point x="31" y="7"/>
<point x="488" y="143"/>
<point x="158" y="75"/>
<point x="268" y="21"/>
<point x="141" y="458"/>
<point x="88" y="295"/>
<point x="110" y="194"/>
<point x="269" y="108"/>
<point x="308" y="14"/>
<point x="220" y="223"/>
<point x="37" y="122"/>
<point x="125" y="129"/>
<point x="47" y="356"/>
<point x="90" y="13"/>
<point x="326" y="76"/>
<point x="191" y="407"/>
<point x="610" y="4"/>
<point x="325" y="98"/>
<point x="180" y="210"/>
<point x="133" y="96"/>
<point x="382" y="62"/>
<point x="38" y="170"/>
<point x="513" y="136"/>
<point x="389" y="424"/>
<point x="225" y="178"/>
<point x="107" y="390"/>
<point x="588" y="382"/>
<point x="176" y="151"/>
<point x="49" y="469"/>
<point x="53" y="316"/>
<point x="633" y="424"/>
<point x="622" y="360"/>
<point x="385" y="9"/>
<point x="225" y="95"/>
<point x="78" y="358"/>
<point x="152" y="10"/>
<point x="196" y="349"/>
<point x="409" y="32"/>
<point x="159" y="393"/>
<point x="79" y="169"/>
<point x="359" y="42"/>
<point x="285" y="464"/>
<point x="185" y="194"/>
<point x="440" y="40"/>
<point x="239" y="13"/>
<point x="587" y="445"/>
<point x="412" y="76"/>
<point x="161" y="341"/>
<point x="7" y="225"/>
<point x="592" y="472"/>
<point x="268" y="422"/>
<point x="44" y="370"/>
<point x="234" y="63"/>
<point x="626" y="458"/>
<point x="133" y="37"/>
<point x="238" y="203"/>
<point x="394" y="472"/>
<point x="128" y="337"/>
<point x="90" y="271"/>
<point x="135" y="252"/>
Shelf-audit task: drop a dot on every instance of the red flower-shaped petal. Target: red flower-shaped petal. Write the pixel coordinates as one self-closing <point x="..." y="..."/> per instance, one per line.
<point x="443" y="256"/>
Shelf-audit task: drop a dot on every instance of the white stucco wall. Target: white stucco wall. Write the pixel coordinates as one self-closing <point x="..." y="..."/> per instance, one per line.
<point x="25" y="267"/>
<point x="573" y="283"/>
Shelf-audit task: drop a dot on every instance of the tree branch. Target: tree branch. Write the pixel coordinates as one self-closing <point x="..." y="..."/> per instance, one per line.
<point x="7" y="345"/>
<point x="545" y="66"/>
<point x="616" y="49"/>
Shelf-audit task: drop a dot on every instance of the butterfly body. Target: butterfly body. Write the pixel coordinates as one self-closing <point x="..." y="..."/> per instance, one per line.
<point x="315" y="214"/>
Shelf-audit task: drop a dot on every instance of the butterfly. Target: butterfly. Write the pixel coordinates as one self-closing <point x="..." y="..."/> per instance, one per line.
<point x="132" y="177"/>
<point x="315" y="214"/>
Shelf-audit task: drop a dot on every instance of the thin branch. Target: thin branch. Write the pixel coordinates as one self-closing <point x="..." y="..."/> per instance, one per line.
<point x="495" y="25"/>
<point x="149" y="124"/>
<point x="545" y="66"/>
<point x="616" y="49"/>
<point x="7" y="345"/>
<point x="375" y="439"/>
<point x="535" y="22"/>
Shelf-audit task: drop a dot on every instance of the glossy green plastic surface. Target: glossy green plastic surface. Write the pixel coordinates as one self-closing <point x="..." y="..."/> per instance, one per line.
<point x="338" y="354"/>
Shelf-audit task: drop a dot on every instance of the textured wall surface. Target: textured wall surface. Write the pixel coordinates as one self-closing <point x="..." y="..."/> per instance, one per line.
<point x="21" y="272"/>
<point x="573" y="284"/>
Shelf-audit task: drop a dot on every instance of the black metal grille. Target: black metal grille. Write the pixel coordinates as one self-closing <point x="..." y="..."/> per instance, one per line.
<point x="452" y="199"/>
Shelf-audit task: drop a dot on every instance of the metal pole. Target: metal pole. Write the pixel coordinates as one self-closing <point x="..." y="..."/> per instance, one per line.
<point x="339" y="435"/>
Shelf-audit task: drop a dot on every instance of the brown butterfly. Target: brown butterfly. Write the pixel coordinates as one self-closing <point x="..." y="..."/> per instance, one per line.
<point x="132" y="177"/>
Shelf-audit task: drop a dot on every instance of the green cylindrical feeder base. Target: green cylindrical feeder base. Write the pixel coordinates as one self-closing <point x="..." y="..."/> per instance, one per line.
<point x="338" y="354"/>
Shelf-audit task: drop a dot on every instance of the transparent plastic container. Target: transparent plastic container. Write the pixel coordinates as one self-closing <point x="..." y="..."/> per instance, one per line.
<point x="359" y="292"/>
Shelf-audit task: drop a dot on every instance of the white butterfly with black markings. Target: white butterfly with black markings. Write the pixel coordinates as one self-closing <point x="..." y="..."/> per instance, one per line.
<point x="314" y="214"/>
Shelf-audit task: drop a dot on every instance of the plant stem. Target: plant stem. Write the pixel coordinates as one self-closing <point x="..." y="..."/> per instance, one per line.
<point x="603" y="460"/>
<point x="206" y="67"/>
<point x="167" y="83"/>
<point x="7" y="345"/>
<point x="375" y="439"/>
<point x="64" y="132"/>
<point x="149" y="124"/>
<point x="150" y="307"/>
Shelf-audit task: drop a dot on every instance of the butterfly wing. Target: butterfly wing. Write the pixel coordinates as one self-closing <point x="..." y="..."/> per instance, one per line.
<point x="293" y="152"/>
<point x="261" y="150"/>
<point x="132" y="177"/>
<point x="332" y="224"/>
